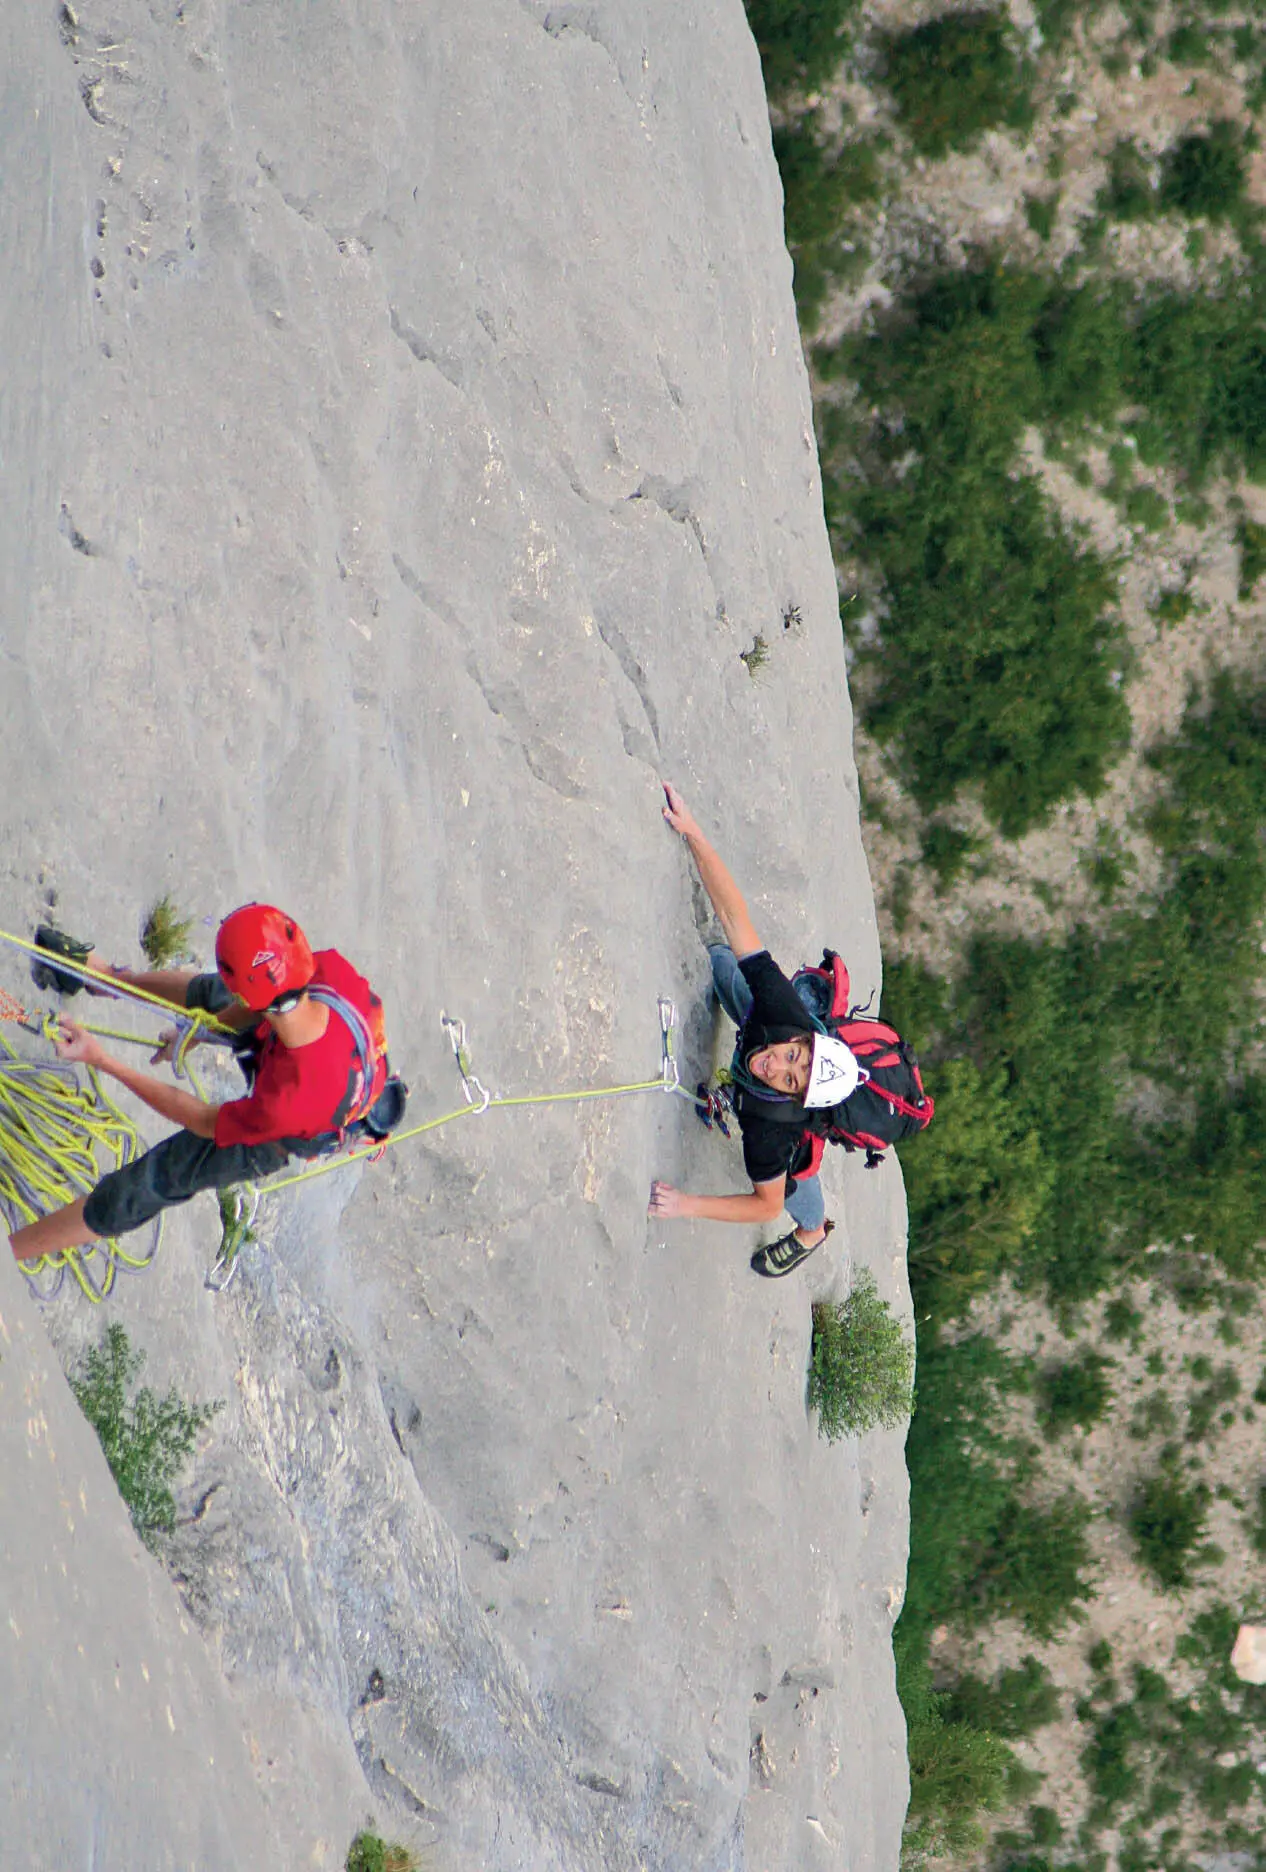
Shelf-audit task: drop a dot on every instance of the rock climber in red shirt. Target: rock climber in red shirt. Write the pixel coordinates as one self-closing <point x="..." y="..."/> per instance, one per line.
<point x="312" y="1050"/>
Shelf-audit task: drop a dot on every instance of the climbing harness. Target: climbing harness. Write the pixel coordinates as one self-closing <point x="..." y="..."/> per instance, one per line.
<point x="37" y="1177"/>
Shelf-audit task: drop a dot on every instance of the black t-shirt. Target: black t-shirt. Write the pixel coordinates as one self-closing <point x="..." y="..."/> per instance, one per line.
<point x="777" y="1014"/>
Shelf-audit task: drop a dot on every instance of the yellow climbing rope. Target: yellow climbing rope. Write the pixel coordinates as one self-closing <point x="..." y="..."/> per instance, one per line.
<point x="58" y="1138"/>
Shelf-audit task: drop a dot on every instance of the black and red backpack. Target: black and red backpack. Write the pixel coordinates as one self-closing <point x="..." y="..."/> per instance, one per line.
<point x="889" y="1104"/>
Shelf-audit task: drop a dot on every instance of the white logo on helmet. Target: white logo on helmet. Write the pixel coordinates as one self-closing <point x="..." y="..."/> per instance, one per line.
<point x="267" y="959"/>
<point x="835" y="1074"/>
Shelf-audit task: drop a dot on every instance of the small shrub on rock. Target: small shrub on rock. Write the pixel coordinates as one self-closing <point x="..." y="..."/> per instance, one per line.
<point x="862" y="1364"/>
<point x="165" y="934"/>
<point x="368" y="1853"/>
<point x="146" y="1439"/>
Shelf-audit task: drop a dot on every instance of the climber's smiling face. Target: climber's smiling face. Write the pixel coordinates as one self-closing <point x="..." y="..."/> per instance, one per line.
<point x="785" y="1067"/>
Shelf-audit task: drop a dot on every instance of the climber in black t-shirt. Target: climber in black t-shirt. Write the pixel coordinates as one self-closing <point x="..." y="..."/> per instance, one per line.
<point x="779" y="1050"/>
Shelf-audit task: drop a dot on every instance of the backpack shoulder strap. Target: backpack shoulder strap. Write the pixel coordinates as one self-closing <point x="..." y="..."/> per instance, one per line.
<point x="362" y="1040"/>
<point x="834" y="966"/>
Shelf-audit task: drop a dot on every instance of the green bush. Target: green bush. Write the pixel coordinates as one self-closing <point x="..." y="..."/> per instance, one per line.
<point x="368" y="1853"/>
<point x="146" y="1439"/>
<point x="1055" y="18"/>
<point x="165" y="935"/>
<point x="1147" y="508"/>
<point x="955" y="77"/>
<point x="1205" y="174"/>
<point x="1166" y="1522"/>
<point x="1121" y="1321"/>
<point x="1076" y="1392"/>
<point x="1250" y="537"/>
<point x="861" y="1365"/>
<point x="1040" y="212"/>
<point x="946" y="849"/>
<point x="1152" y="1416"/>
<point x="1204" y="1404"/>
<point x="1020" y="1700"/>
<point x="1197" y="362"/>
<point x="1129" y="194"/>
<point x="801" y="42"/>
<point x="957" y="1771"/>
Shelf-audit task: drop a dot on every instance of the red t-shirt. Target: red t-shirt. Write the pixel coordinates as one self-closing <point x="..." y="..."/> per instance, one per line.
<point x="301" y="1092"/>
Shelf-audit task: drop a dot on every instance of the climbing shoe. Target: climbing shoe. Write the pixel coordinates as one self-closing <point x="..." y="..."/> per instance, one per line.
<point x="784" y="1255"/>
<point x="57" y="942"/>
<point x="239" y="1204"/>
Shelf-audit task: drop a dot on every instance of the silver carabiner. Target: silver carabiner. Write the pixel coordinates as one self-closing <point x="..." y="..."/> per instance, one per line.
<point x="476" y="1094"/>
<point x="668" y="1058"/>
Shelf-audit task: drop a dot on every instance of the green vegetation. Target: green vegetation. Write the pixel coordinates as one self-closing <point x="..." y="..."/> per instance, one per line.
<point x="801" y="41"/>
<point x="146" y="1439"/>
<point x="368" y="1853"/>
<point x="861" y="1365"/>
<point x="984" y="1543"/>
<point x="1250" y="537"/>
<point x="1040" y="212"/>
<point x="1153" y="1747"/>
<point x="1202" y="175"/>
<point x="955" y="77"/>
<point x="1166" y="1522"/>
<point x="757" y="657"/>
<point x="1205" y="173"/>
<point x="1026" y="701"/>
<point x="165" y="935"/>
<point x="1153" y="1415"/>
<point x="822" y="188"/>
<point x="1256" y="1523"/>
<point x="1018" y="1702"/>
<point x="1205" y="1403"/>
<point x="1100" y="1096"/>
<point x="1033" y="1164"/>
<point x="1078" y="1392"/>
<point x="946" y="850"/>
<point x="957" y="1772"/>
<point x="931" y="494"/>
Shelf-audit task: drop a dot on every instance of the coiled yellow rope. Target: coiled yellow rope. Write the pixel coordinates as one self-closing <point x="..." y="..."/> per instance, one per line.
<point x="58" y="1138"/>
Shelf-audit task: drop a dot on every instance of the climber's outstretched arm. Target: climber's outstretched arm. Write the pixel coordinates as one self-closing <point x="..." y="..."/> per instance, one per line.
<point x="727" y="899"/>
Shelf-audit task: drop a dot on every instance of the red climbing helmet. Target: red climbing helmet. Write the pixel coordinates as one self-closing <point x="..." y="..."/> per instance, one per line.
<point x="262" y="954"/>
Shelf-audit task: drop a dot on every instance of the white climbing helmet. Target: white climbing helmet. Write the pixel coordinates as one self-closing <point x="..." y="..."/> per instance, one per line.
<point x="835" y="1073"/>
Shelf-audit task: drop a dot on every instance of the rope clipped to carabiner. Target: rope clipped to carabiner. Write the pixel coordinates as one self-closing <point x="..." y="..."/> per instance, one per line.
<point x="477" y="1095"/>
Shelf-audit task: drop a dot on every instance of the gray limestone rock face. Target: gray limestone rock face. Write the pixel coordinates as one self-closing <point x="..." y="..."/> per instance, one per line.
<point x="404" y="435"/>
